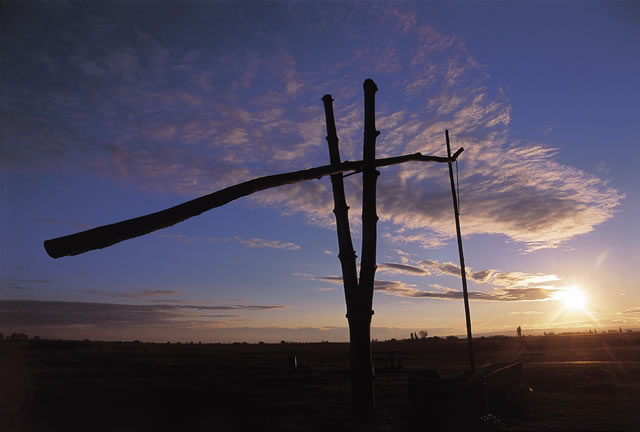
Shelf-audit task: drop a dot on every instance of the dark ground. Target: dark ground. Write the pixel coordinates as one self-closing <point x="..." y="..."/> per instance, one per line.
<point x="572" y="382"/>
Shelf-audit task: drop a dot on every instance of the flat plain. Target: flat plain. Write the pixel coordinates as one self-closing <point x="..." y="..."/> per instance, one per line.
<point x="569" y="382"/>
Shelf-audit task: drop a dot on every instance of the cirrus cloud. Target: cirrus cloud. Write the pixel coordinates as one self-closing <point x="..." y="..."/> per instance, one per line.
<point x="31" y="313"/>
<point x="505" y="286"/>
<point x="181" y="120"/>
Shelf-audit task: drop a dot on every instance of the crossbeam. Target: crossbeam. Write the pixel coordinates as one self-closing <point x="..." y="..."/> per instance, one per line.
<point x="108" y="235"/>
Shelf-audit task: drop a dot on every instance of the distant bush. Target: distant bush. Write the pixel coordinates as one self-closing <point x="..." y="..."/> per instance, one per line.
<point x="18" y="337"/>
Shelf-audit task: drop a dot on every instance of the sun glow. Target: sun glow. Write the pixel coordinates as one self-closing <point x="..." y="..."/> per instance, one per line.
<point x="573" y="298"/>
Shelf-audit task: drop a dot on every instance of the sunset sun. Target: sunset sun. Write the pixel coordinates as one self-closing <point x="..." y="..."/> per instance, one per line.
<point x="573" y="298"/>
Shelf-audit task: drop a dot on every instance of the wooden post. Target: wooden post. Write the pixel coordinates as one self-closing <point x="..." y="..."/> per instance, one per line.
<point x="369" y="180"/>
<point x="463" y="272"/>
<point x="363" y="372"/>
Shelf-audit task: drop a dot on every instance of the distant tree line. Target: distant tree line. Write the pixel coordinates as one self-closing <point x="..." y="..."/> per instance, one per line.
<point x="18" y="337"/>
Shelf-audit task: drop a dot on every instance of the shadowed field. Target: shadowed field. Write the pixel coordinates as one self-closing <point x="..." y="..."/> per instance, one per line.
<point x="572" y="382"/>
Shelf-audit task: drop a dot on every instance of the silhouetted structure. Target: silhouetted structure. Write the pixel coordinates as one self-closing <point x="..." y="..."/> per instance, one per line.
<point x="463" y="272"/>
<point x="358" y="290"/>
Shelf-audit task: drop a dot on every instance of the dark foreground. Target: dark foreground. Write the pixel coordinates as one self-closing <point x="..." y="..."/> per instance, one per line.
<point x="579" y="382"/>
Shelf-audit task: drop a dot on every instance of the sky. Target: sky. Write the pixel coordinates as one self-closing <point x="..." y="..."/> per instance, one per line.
<point x="112" y="110"/>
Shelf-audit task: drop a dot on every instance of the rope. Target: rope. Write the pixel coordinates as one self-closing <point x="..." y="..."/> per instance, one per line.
<point x="457" y="187"/>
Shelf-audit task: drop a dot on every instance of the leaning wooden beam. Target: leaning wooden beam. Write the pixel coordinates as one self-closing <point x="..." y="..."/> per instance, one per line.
<point x="346" y="253"/>
<point x="107" y="235"/>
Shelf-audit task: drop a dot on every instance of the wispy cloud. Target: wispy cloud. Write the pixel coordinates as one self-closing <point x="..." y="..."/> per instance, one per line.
<point x="256" y="242"/>
<point x="443" y="268"/>
<point x="135" y="294"/>
<point x="428" y="240"/>
<point x="505" y="286"/>
<point x="401" y="269"/>
<point x="253" y="242"/>
<point x="401" y="289"/>
<point x="26" y="284"/>
<point x="518" y="279"/>
<point x="152" y="121"/>
<point x="330" y="279"/>
<point x="494" y="277"/>
<point x="27" y="313"/>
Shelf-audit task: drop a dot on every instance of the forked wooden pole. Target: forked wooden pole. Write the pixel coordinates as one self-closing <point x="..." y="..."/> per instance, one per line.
<point x="463" y="272"/>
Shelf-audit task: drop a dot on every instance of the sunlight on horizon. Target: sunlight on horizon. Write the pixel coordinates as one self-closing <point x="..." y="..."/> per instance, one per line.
<point x="573" y="298"/>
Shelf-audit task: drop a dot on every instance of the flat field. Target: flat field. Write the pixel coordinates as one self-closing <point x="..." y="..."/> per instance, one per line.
<point x="569" y="382"/>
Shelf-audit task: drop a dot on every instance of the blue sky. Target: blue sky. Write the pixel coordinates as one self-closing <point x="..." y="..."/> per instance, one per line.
<point x="114" y="110"/>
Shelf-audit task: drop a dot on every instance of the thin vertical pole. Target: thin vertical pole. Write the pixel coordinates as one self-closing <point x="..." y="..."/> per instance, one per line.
<point x="462" y="268"/>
